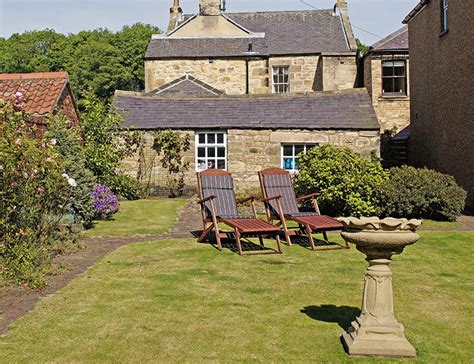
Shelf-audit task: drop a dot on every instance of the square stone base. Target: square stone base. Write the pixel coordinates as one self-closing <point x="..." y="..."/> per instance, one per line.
<point x="377" y="345"/>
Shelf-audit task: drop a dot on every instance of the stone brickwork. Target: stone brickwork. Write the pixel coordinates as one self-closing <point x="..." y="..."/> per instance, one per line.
<point x="307" y="73"/>
<point x="250" y="151"/>
<point x="392" y="112"/>
<point x="339" y="73"/>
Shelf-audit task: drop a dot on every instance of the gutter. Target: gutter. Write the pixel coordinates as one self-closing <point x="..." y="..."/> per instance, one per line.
<point x="415" y="11"/>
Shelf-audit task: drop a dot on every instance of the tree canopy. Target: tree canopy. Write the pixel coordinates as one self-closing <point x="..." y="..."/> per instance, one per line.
<point x="99" y="60"/>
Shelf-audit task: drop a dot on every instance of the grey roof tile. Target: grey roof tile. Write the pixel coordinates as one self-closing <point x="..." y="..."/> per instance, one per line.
<point x="398" y="40"/>
<point x="351" y="109"/>
<point x="286" y="32"/>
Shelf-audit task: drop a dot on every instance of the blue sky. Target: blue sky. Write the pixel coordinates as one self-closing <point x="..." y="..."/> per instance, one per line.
<point x="380" y="17"/>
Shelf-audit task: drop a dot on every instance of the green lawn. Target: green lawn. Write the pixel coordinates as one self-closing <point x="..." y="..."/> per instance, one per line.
<point x="179" y="301"/>
<point x="143" y="217"/>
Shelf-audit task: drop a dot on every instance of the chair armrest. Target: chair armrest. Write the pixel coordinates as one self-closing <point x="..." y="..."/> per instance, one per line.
<point x="271" y="198"/>
<point x="308" y="197"/>
<point x="206" y="199"/>
<point x="244" y="200"/>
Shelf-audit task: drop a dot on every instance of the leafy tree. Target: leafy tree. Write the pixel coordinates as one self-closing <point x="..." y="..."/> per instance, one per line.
<point x="97" y="60"/>
<point x="362" y="47"/>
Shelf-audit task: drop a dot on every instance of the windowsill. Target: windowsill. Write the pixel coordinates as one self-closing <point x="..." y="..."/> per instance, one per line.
<point x="400" y="97"/>
<point x="444" y="32"/>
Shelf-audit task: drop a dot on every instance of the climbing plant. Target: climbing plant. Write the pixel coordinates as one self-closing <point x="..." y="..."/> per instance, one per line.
<point x="171" y="146"/>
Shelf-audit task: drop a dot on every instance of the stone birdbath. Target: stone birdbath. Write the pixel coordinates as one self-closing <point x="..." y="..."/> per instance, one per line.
<point x="376" y="332"/>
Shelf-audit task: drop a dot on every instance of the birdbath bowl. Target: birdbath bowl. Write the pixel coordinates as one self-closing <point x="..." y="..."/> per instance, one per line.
<point x="376" y="332"/>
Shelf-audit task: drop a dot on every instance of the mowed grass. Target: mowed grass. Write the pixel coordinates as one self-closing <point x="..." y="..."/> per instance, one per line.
<point x="142" y="217"/>
<point x="179" y="301"/>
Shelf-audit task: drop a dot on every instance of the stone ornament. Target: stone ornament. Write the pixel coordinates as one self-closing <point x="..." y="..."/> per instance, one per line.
<point x="376" y="332"/>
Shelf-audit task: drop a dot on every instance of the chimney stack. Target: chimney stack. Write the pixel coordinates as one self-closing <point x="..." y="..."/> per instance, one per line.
<point x="176" y="15"/>
<point x="342" y="5"/>
<point x="210" y="7"/>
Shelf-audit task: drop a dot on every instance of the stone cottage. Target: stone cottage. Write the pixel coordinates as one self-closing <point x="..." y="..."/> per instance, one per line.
<point x="442" y="108"/>
<point x="253" y="90"/>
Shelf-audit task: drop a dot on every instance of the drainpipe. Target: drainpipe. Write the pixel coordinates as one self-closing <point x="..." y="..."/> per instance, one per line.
<point x="248" y="57"/>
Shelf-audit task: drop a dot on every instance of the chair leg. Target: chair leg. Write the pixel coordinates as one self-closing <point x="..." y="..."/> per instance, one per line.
<point x="218" y="237"/>
<point x="325" y="235"/>
<point x="205" y="232"/>
<point x="260" y="239"/>
<point x="309" y="232"/>
<point x="277" y="238"/>
<point x="237" y="238"/>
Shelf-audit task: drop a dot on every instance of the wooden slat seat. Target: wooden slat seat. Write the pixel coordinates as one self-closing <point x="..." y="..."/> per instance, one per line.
<point x="319" y="223"/>
<point x="219" y="205"/>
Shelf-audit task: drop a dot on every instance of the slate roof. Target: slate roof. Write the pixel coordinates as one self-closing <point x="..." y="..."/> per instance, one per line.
<point x="204" y="47"/>
<point x="186" y="85"/>
<point x="350" y="109"/>
<point x="286" y="33"/>
<point x="42" y="91"/>
<point x="398" y="40"/>
<point x="297" y="32"/>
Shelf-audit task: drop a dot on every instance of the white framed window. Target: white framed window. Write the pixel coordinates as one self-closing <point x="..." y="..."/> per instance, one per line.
<point x="290" y="153"/>
<point x="281" y="79"/>
<point x="211" y="150"/>
<point x="394" y="77"/>
<point x="444" y="16"/>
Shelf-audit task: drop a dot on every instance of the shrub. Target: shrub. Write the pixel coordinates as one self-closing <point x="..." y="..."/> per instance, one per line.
<point x="347" y="182"/>
<point x="68" y="143"/>
<point x="105" y="202"/>
<point x="34" y="197"/>
<point x="421" y="193"/>
<point x="107" y="143"/>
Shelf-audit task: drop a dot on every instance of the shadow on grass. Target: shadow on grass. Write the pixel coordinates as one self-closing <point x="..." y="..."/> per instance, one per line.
<point x="231" y="244"/>
<point x="303" y="241"/>
<point x="342" y="315"/>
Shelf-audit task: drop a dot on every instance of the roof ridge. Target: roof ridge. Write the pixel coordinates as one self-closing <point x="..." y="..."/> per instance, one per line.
<point x="33" y="76"/>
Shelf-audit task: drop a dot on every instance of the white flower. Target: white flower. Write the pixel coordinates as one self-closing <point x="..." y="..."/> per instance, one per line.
<point x="53" y="141"/>
<point x="72" y="182"/>
<point x="65" y="175"/>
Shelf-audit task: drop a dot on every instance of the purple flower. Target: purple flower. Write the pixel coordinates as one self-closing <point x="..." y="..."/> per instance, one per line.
<point x="105" y="202"/>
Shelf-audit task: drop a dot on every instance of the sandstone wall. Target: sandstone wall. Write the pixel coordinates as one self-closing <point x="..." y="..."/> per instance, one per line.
<point x="250" y="151"/>
<point x="392" y="112"/>
<point x="339" y="73"/>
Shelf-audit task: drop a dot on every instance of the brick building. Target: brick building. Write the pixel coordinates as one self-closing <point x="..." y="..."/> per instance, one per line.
<point x="442" y="109"/>
<point x="44" y="94"/>
<point x="252" y="89"/>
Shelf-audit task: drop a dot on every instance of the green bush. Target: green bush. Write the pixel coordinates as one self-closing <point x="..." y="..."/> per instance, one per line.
<point x="107" y="144"/>
<point x="421" y="193"/>
<point x="347" y="182"/>
<point x="34" y="198"/>
<point x="68" y="143"/>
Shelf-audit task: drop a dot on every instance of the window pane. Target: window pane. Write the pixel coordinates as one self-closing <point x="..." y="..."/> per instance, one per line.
<point x="299" y="149"/>
<point x="387" y="69"/>
<point x="399" y="85"/>
<point x="388" y="85"/>
<point x="211" y="152"/>
<point x="201" y="152"/>
<point x="296" y="164"/>
<point x="221" y="152"/>
<point x="288" y="163"/>
<point x="220" y="138"/>
<point x="288" y="150"/>
<point x="399" y="71"/>
<point x="211" y="164"/>
<point x="201" y="165"/>
<point x="202" y="138"/>
<point x="211" y="138"/>
<point x="221" y="164"/>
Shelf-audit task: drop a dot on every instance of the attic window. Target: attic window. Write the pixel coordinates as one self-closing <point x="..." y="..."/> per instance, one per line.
<point x="394" y="79"/>
<point x="281" y="80"/>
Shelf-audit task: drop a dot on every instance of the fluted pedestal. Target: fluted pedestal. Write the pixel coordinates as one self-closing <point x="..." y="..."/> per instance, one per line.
<point x="376" y="332"/>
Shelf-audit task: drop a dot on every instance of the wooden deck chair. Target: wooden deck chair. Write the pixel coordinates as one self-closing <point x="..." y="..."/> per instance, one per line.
<point x="281" y="205"/>
<point x="218" y="204"/>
